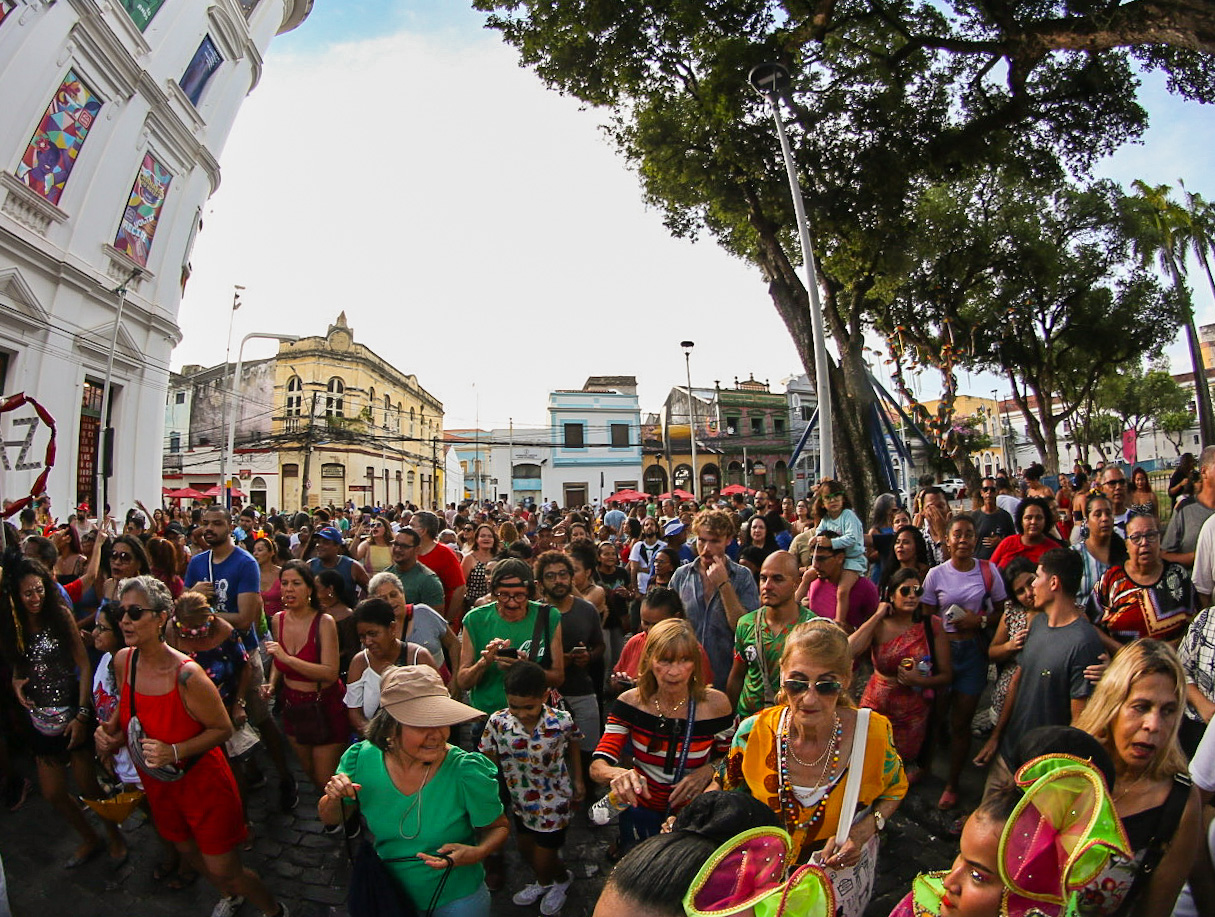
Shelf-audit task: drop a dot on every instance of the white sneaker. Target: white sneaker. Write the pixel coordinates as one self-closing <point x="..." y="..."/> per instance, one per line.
<point x="530" y="894"/>
<point x="227" y="907"/>
<point x="554" y="899"/>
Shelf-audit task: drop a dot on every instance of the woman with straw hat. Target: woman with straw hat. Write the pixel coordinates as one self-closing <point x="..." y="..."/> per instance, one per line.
<point x="433" y="808"/>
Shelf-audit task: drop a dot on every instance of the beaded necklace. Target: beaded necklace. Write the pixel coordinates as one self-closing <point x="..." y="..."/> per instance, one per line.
<point x="788" y="799"/>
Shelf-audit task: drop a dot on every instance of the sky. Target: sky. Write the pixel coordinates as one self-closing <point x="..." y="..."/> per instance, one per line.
<point x="479" y="232"/>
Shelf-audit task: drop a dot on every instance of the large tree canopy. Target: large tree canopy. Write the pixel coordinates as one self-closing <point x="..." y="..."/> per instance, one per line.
<point x="889" y="101"/>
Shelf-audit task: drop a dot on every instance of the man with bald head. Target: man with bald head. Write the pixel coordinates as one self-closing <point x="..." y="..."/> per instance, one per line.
<point x="759" y="638"/>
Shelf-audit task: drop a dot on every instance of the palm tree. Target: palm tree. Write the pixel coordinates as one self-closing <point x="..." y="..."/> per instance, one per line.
<point x="1162" y="231"/>
<point x="1201" y="215"/>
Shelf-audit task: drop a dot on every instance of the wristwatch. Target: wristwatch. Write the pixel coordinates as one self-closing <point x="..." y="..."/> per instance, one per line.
<point x="880" y="820"/>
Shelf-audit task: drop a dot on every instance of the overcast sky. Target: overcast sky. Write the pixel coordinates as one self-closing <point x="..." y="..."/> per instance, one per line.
<point x="396" y="163"/>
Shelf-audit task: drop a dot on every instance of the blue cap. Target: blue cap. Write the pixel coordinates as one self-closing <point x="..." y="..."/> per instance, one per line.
<point x="330" y="533"/>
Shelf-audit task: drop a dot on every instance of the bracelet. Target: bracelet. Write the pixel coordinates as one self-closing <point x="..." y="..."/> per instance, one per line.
<point x="175" y="758"/>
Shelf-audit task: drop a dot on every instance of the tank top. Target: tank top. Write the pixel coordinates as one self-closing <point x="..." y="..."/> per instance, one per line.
<point x="272" y="599"/>
<point x="309" y="652"/>
<point x="164" y="716"/>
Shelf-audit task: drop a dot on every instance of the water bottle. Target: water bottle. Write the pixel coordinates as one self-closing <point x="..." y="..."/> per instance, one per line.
<point x="607" y="809"/>
<point x="924" y="666"/>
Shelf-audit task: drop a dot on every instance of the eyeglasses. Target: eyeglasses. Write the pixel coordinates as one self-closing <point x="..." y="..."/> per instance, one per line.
<point x="511" y="598"/>
<point x="911" y="590"/>
<point x="555" y="575"/>
<point x="134" y="612"/>
<point x="468" y="528"/>
<point x="1144" y="537"/>
<point x="123" y="556"/>
<point x="988" y="490"/>
<point x="1120" y="482"/>
<point x="796" y="687"/>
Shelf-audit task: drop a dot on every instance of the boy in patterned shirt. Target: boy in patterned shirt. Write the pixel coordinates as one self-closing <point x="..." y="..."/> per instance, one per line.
<point x="536" y="749"/>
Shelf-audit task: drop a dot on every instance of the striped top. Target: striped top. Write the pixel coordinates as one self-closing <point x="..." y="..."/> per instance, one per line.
<point x="656" y="745"/>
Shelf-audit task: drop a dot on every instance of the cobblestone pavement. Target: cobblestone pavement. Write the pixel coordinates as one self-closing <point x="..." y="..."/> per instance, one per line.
<point x="309" y="869"/>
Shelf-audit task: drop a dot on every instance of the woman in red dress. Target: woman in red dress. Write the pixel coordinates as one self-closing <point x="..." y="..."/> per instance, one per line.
<point x="173" y="722"/>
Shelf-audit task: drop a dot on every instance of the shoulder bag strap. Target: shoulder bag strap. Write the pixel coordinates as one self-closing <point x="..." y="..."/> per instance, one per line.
<point x="856" y="767"/>
<point x="687" y="744"/>
<point x="760" y="661"/>
<point x="131" y="677"/>
<point x="541" y="627"/>
<point x="1166" y="827"/>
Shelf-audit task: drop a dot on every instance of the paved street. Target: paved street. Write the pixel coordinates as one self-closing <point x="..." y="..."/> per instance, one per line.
<point x="309" y="869"/>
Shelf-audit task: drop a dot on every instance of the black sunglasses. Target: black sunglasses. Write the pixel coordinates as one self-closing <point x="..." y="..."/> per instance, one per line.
<point x="122" y="555"/>
<point x="911" y="590"/>
<point x="796" y="687"/>
<point x="134" y="612"/>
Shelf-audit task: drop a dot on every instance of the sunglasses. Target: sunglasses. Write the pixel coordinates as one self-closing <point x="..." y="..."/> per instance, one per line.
<point x="122" y="555"/>
<point x="134" y="612"/>
<point x="796" y="687"/>
<point x="988" y="490"/>
<point x="911" y="590"/>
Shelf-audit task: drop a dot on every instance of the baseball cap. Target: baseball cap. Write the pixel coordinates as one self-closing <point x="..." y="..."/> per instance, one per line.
<point x="330" y="534"/>
<point x="674" y="527"/>
<point x="414" y="695"/>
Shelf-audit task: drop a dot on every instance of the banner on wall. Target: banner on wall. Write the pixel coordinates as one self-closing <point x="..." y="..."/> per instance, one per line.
<point x="6" y="7"/>
<point x="142" y="11"/>
<point x="143" y="210"/>
<point x="52" y="152"/>
<point x="206" y="61"/>
<point x="1130" y="446"/>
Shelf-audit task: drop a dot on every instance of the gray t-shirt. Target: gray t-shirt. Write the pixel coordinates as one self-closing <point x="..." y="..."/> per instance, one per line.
<point x="999" y="524"/>
<point x="1052" y="664"/>
<point x="579" y="625"/>
<point x="1181" y="537"/>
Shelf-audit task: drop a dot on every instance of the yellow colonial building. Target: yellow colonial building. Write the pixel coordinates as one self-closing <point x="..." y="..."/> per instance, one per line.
<point x="350" y="426"/>
<point x="985" y="412"/>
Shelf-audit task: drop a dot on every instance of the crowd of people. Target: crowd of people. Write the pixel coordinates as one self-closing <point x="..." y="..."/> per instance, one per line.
<point x="753" y="674"/>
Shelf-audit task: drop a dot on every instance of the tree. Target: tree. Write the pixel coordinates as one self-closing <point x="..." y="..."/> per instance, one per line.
<point x="1029" y="279"/>
<point x="1139" y="398"/>
<point x="888" y="98"/>
<point x="1175" y="425"/>
<point x="1162" y="230"/>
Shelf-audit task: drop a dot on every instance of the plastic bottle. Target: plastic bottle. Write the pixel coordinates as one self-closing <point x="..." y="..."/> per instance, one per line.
<point x="607" y="809"/>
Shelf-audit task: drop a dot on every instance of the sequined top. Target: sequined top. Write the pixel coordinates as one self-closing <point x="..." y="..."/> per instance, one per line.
<point x="52" y="672"/>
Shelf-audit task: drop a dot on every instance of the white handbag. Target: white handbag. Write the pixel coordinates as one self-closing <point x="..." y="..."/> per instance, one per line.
<point x="854" y="884"/>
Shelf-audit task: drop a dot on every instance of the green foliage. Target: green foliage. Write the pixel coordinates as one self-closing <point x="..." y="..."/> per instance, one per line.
<point x="1175" y="424"/>
<point x="1139" y="398"/>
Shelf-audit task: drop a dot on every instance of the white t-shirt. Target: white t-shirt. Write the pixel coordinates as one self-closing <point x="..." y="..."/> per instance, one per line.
<point x="105" y="702"/>
<point x="643" y="554"/>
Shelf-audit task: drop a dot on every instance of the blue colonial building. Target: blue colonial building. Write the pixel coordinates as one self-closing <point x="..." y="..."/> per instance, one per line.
<point x="595" y="436"/>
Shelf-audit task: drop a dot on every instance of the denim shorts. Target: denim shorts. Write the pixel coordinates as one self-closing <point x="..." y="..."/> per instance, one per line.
<point x="969" y="666"/>
<point x="474" y="905"/>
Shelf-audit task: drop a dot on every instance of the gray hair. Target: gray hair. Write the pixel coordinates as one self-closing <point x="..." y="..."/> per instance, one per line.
<point x="429" y="521"/>
<point x="1207" y="457"/>
<point x="381" y="729"/>
<point x="153" y="589"/>
<point x="381" y="578"/>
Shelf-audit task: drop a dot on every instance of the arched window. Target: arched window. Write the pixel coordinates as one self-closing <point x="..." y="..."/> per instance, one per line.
<point x="411" y="421"/>
<point x="398" y="417"/>
<point x="371" y="404"/>
<point x="334" y="398"/>
<point x="387" y="410"/>
<point x="295" y="396"/>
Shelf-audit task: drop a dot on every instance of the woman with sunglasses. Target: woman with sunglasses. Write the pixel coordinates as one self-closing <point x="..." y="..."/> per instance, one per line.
<point x="476" y="563"/>
<point x="374" y="552"/>
<point x="126" y="558"/>
<point x="910" y="653"/>
<point x="794" y="757"/>
<point x="53" y="680"/>
<point x="1146" y="596"/>
<point x="172" y="720"/>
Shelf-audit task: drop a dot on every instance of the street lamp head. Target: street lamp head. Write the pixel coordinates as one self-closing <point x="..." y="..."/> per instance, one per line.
<point x="769" y="79"/>
<point x="687" y="345"/>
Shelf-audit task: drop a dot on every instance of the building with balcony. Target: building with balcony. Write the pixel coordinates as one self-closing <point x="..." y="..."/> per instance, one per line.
<point x="110" y="133"/>
<point x="350" y="426"/>
<point x="742" y="437"/>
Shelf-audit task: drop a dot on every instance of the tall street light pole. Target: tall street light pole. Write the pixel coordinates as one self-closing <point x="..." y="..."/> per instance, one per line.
<point x="105" y="437"/>
<point x="687" y="364"/>
<point x="770" y="80"/>
<point x="240" y="358"/>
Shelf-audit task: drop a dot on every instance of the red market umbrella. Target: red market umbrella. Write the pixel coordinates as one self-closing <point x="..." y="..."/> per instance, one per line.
<point x="218" y="491"/>
<point x="627" y="496"/>
<point x="731" y="489"/>
<point x="676" y="494"/>
<point x="185" y="493"/>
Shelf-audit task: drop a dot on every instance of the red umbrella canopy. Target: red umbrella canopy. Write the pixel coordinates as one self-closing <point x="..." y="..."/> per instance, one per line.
<point x="731" y="489"/>
<point x="218" y="491"/>
<point x="185" y="493"/>
<point x="627" y="496"/>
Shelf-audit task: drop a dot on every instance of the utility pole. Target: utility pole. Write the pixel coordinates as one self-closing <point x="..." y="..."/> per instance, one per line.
<point x="434" y="471"/>
<point x="308" y="455"/>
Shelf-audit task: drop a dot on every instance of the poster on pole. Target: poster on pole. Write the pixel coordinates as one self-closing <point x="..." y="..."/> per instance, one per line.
<point x="139" y="220"/>
<point x="142" y="11"/>
<point x="52" y="150"/>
